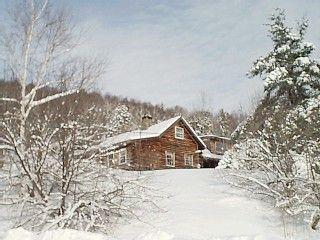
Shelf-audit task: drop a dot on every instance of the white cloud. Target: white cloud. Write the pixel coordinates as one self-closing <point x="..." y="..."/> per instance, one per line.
<point x="169" y="53"/>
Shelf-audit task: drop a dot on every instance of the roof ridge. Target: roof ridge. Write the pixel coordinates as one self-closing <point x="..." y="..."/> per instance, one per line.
<point x="153" y="131"/>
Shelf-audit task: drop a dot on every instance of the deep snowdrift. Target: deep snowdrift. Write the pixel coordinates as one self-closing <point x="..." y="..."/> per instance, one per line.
<point x="200" y="206"/>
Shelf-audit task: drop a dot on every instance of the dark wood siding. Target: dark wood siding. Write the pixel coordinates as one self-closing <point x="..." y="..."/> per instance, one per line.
<point x="150" y="153"/>
<point x="212" y="142"/>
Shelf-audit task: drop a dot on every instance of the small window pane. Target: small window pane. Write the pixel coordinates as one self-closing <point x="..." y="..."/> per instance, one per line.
<point x="188" y="158"/>
<point x="170" y="159"/>
<point x="111" y="156"/>
<point x="179" y="132"/>
<point x="123" y="156"/>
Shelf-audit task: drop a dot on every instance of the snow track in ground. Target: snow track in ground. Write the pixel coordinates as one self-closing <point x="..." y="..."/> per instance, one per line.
<point x="201" y="206"/>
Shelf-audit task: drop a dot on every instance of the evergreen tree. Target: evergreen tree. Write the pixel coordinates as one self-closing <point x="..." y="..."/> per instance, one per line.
<point x="201" y="122"/>
<point x="225" y="123"/>
<point x="288" y="71"/>
<point x="281" y="139"/>
<point x="121" y="121"/>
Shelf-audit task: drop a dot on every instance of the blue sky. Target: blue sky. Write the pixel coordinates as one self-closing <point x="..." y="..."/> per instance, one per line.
<point x="173" y="52"/>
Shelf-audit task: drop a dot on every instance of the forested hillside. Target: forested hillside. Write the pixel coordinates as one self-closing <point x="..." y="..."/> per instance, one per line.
<point x="121" y="114"/>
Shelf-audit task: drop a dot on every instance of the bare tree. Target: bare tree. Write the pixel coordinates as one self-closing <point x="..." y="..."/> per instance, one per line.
<point x="56" y="171"/>
<point x="37" y="46"/>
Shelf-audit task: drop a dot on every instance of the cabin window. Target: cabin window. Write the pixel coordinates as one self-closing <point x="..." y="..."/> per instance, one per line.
<point x="179" y="132"/>
<point x="170" y="161"/>
<point x="123" y="156"/>
<point x="188" y="159"/>
<point x="110" y="156"/>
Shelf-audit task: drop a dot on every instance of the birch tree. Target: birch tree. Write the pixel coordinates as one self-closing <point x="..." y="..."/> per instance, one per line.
<point x="56" y="170"/>
<point x="37" y="46"/>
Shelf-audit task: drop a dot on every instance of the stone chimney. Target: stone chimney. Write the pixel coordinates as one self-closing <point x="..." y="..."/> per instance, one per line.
<point x="146" y="121"/>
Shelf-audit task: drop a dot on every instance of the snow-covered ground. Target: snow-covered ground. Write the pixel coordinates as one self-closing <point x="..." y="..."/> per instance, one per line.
<point x="201" y="206"/>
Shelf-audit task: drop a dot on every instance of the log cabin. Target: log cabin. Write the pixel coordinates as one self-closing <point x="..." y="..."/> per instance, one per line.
<point x="215" y="148"/>
<point x="169" y="144"/>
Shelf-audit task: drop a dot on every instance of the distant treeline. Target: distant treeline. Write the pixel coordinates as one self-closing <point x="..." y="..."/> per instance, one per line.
<point x="203" y="121"/>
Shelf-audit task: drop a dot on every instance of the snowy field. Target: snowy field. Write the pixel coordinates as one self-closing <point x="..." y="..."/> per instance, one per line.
<point x="201" y="206"/>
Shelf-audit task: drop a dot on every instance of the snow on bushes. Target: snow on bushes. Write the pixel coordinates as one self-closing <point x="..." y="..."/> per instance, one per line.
<point x="279" y="146"/>
<point x="77" y="188"/>
<point x="55" y="176"/>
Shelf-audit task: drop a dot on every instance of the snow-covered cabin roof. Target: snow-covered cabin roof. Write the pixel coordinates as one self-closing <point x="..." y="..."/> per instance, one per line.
<point x="214" y="136"/>
<point x="152" y="132"/>
<point x="206" y="153"/>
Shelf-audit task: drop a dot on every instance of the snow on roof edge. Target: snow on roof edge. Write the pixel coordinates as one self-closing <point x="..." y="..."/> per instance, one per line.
<point x="206" y="153"/>
<point x="194" y="133"/>
<point x="155" y="130"/>
<point x="216" y="136"/>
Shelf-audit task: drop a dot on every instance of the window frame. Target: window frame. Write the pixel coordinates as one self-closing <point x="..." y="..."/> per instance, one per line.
<point x="176" y="133"/>
<point x="185" y="159"/>
<point x="110" y="160"/>
<point x="111" y="154"/>
<point x="123" y="151"/>
<point x="172" y="155"/>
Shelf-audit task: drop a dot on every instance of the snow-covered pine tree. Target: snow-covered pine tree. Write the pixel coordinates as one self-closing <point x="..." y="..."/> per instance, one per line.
<point x="281" y="139"/>
<point x="121" y="121"/>
<point x="225" y="123"/>
<point x="289" y="73"/>
<point x="201" y="122"/>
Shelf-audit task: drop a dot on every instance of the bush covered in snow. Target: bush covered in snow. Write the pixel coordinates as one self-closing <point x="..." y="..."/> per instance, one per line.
<point x="55" y="175"/>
